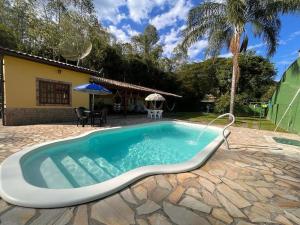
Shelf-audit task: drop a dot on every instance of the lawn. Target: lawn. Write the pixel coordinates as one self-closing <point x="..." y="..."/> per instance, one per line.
<point x="241" y="121"/>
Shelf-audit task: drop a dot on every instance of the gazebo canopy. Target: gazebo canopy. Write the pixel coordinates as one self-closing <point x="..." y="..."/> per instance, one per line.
<point x="155" y="97"/>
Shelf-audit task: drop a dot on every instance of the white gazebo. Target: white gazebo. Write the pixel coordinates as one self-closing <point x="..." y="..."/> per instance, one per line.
<point x="154" y="113"/>
<point x="155" y="98"/>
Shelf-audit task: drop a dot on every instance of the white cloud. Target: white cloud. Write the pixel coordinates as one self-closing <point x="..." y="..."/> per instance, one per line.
<point x="226" y="55"/>
<point x="282" y="42"/>
<point x="256" y="46"/>
<point x="175" y="14"/>
<point x="128" y="29"/>
<point x="293" y="35"/>
<point x="119" y="34"/>
<point x="284" y="62"/>
<point x="289" y="55"/>
<point x="171" y="40"/>
<point x="197" y="48"/>
<point x="109" y="10"/>
<point x="123" y="34"/>
<point x="140" y="9"/>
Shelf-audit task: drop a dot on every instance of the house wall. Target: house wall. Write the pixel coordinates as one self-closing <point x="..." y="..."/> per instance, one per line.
<point x="287" y="89"/>
<point x="20" y="83"/>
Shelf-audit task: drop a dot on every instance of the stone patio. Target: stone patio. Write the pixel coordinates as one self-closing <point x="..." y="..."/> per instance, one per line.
<point x="256" y="182"/>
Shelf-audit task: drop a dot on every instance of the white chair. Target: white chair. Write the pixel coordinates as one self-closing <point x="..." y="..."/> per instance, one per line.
<point x="150" y="114"/>
<point x="158" y="114"/>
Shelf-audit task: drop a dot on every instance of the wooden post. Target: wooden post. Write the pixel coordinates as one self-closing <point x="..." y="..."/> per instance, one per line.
<point x="2" y="94"/>
<point x="125" y="103"/>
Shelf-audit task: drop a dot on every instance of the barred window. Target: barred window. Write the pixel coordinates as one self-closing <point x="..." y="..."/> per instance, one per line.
<point x="53" y="93"/>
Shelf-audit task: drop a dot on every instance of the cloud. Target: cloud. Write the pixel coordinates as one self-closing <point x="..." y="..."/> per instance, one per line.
<point x="175" y="14"/>
<point x="291" y="37"/>
<point x="197" y="48"/>
<point x="250" y="47"/>
<point x="289" y="55"/>
<point x="171" y="39"/>
<point x="140" y="9"/>
<point x="282" y="42"/>
<point x="123" y="34"/>
<point x="128" y="29"/>
<point x="110" y="10"/>
<point x="226" y="55"/>
<point x="119" y="34"/>
<point x="284" y="62"/>
<point x="294" y="35"/>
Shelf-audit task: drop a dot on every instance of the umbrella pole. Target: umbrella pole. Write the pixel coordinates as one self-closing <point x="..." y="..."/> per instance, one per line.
<point x="93" y="102"/>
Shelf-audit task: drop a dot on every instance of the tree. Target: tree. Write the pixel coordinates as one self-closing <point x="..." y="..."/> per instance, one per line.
<point x="18" y="19"/>
<point x="146" y="44"/>
<point x="226" y="24"/>
<point x="213" y="76"/>
<point x="196" y="80"/>
<point x="7" y="37"/>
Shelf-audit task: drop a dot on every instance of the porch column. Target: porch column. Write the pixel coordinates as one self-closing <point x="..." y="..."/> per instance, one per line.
<point x="125" y="102"/>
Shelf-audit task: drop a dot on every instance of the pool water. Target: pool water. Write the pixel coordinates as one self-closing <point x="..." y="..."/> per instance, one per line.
<point x="100" y="156"/>
<point x="287" y="141"/>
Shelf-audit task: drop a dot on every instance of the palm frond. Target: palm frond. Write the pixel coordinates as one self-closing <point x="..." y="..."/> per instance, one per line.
<point x="201" y="19"/>
<point x="284" y="6"/>
<point x="205" y="11"/>
<point x="218" y="21"/>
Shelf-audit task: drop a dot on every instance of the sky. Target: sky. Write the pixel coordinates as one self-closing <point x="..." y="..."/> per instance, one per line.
<point x="126" y="18"/>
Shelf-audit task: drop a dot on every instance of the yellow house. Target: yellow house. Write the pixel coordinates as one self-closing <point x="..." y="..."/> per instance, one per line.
<point x="39" y="90"/>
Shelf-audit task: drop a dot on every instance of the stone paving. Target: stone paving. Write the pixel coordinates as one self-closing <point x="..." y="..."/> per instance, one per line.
<point x="256" y="182"/>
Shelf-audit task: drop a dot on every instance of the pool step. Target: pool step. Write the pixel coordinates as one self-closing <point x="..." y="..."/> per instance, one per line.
<point x="79" y="174"/>
<point x="52" y="175"/>
<point x="97" y="172"/>
<point x="109" y="168"/>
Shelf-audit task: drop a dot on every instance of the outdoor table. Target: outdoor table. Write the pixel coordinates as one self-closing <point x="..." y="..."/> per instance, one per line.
<point x="94" y="115"/>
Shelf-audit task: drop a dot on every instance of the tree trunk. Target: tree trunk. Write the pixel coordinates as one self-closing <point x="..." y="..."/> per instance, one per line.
<point x="235" y="69"/>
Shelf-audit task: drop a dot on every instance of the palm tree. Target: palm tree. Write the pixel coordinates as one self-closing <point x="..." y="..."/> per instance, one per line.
<point x="225" y="23"/>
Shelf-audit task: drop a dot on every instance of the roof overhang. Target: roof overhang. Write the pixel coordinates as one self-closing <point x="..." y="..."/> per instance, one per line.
<point x="34" y="58"/>
<point x="124" y="85"/>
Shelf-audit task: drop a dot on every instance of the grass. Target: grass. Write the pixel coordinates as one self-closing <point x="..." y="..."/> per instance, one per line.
<point x="241" y="121"/>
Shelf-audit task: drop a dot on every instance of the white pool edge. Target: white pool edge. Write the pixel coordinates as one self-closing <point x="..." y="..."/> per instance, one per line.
<point x="15" y="190"/>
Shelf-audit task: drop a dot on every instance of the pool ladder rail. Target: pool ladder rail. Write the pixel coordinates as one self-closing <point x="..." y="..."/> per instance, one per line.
<point x="231" y="117"/>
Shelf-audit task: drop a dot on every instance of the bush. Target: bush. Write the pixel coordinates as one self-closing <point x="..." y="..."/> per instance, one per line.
<point x="242" y="107"/>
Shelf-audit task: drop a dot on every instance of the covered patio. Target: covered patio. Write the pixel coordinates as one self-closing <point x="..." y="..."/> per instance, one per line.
<point x="130" y="97"/>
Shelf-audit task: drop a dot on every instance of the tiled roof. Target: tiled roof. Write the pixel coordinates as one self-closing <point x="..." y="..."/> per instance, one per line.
<point x="125" y="85"/>
<point x="23" y="55"/>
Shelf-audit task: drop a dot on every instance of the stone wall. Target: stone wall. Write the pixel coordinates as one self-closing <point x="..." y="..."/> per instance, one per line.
<point x="26" y="116"/>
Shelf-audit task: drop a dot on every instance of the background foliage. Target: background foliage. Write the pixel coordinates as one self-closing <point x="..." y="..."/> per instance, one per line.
<point x="43" y="27"/>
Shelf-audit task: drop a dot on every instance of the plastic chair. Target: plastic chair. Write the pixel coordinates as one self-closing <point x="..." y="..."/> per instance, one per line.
<point x="159" y="114"/>
<point x="82" y="117"/>
<point x="150" y="114"/>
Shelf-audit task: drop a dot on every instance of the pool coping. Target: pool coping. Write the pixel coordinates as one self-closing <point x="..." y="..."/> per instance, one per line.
<point x="15" y="190"/>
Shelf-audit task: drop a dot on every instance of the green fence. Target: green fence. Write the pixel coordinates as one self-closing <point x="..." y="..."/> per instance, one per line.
<point x="286" y="91"/>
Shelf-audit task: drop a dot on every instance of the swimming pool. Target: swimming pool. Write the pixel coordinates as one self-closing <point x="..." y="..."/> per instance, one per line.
<point x="99" y="163"/>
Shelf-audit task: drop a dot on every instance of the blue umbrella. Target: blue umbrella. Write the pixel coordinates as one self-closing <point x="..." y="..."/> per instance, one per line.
<point x="94" y="89"/>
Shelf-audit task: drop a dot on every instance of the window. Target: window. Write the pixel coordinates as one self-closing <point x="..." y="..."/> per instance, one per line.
<point x="53" y="93"/>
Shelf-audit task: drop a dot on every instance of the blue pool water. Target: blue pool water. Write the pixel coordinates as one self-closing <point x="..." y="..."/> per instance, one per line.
<point x="100" y="156"/>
